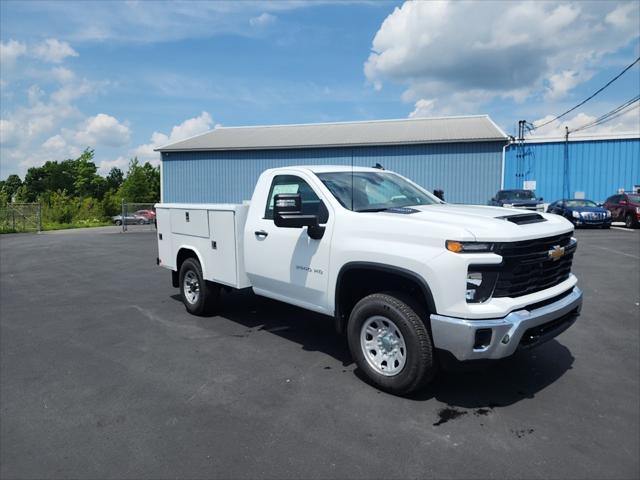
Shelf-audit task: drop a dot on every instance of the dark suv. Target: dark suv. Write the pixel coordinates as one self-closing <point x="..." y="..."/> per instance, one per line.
<point x="624" y="207"/>
<point x="517" y="199"/>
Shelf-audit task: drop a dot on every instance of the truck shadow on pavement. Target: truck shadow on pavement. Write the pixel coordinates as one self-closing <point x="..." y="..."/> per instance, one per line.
<point x="500" y="383"/>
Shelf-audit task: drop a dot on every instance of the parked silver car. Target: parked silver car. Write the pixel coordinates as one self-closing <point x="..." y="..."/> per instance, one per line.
<point x="130" y="219"/>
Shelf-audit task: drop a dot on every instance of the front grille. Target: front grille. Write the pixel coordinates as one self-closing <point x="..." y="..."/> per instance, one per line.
<point x="593" y="216"/>
<point x="527" y="267"/>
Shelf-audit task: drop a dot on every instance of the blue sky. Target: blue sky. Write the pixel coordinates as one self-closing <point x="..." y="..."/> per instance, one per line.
<point x="125" y="77"/>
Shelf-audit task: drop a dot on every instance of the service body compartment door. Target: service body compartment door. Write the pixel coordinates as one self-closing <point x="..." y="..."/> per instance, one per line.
<point x="190" y="222"/>
<point x="165" y="250"/>
<point x="221" y="261"/>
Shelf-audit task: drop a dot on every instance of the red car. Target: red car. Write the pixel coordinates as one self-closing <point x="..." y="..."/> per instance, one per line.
<point x="148" y="214"/>
<point x="624" y="207"/>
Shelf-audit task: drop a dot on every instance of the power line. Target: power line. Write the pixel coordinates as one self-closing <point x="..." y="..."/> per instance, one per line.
<point x="615" y="113"/>
<point x="589" y="97"/>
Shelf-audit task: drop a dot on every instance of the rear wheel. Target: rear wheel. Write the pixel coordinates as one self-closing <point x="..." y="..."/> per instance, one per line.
<point x="141" y="222"/>
<point x="198" y="295"/>
<point x="390" y="343"/>
<point x="118" y="222"/>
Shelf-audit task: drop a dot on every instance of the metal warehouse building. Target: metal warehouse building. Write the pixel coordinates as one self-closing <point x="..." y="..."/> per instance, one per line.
<point x="593" y="167"/>
<point x="461" y="155"/>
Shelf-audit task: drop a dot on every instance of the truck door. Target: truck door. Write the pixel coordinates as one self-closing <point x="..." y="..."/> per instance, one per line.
<point x="285" y="263"/>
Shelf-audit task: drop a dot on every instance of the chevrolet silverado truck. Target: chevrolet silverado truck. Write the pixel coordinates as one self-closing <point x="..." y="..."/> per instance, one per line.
<point x="410" y="279"/>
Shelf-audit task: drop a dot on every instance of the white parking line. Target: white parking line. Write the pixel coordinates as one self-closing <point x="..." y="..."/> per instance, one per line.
<point x="623" y="229"/>
<point x="616" y="251"/>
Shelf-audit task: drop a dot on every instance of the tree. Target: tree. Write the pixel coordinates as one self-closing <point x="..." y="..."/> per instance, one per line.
<point x="115" y="178"/>
<point x="11" y="185"/>
<point x="84" y="174"/>
<point x="142" y="183"/>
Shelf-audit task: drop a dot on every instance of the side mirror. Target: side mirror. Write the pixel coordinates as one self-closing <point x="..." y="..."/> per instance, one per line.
<point x="493" y="199"/>
<point x="287" y="213"/>
<point x="541" y="199"/>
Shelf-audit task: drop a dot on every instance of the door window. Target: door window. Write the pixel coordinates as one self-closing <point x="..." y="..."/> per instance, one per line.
<point x="292" y="184"/>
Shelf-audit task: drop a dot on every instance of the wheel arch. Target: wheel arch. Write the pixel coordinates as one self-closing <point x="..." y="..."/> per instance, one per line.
<point x="188" y="251"/>
<point x="374" y="274"/>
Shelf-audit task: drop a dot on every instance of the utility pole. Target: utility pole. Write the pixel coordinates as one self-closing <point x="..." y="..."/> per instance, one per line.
<point x="520" y="153"/>
<point x="565" y="178"/>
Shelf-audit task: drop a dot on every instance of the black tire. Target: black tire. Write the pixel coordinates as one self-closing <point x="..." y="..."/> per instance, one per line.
<point x="629" y="221"/>
<point x="419" y="368"/>
<point x="208" y="292"/>
<point x="118" y="222"/>
<point x="141" y="222"/>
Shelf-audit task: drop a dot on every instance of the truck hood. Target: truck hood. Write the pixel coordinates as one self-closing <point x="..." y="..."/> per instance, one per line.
<point x="492" y="224"/>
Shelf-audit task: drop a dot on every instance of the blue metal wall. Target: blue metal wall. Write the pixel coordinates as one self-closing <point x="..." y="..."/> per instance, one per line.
<point x="597" y="167"/>
<point x="467" y="172"/>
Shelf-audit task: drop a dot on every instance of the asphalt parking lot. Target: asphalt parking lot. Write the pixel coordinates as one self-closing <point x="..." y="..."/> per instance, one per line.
<point x="103" y="374"/>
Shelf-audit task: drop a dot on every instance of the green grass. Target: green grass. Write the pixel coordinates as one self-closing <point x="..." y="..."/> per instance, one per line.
<point x="77" y="224"/>
<point x="58" y="226"/>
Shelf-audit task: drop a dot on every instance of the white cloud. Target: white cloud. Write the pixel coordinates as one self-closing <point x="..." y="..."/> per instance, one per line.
<point x="62" y="74"/>
<point x="120" y="162"/>
<point x="47" y="124"/>
<point x="561" y="83"/>
<point x="629" y="122"/>
<point x="10" y="51"/>
<point x="55" y="143"/>
<point x="145" y="153"/>
<point x="102" y="130"/>
<point x="439" y="49"/>
<point x="263" y="20"/>
<point x="145" y="21"/>
<point x="188" y="128"/>
<point x="8" y="132"/>
<point x="53" y="51"/>
<point x="424" y="108"/>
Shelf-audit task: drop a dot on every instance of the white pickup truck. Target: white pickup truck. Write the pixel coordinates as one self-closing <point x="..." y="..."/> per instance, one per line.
<point x="404" y="274"/>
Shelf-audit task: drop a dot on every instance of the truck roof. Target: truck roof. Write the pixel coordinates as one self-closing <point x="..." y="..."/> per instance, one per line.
<point x="330" y="168"/>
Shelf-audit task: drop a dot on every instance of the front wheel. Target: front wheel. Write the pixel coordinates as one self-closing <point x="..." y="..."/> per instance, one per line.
<point x="198" y="295"/>
<point x="118" y="222"/>
<point x="628" y="221"/>
<point x="390" y="343"/>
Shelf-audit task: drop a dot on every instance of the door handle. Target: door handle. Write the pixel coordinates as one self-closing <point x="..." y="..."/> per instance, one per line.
<point x="261" y="233"/>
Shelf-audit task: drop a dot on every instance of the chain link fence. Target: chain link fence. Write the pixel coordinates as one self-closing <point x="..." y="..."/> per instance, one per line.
<point x="136" y="217"/>
<point x="21" y="217"/>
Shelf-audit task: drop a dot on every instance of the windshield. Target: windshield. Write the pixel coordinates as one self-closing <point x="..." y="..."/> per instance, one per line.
<point x="581" y="203"/>
<point x="516" y="195"/>
<point x="634" y="198"/>
<point x="374" y="191"/>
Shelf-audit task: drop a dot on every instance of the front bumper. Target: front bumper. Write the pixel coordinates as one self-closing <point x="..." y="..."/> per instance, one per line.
<point x="471" y="340"/>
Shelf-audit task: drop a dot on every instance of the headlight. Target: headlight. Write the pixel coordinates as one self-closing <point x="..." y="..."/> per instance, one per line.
<point x="480" y="285"/>
<point x="508" y="205"/>
<point x="540" y="207"/>
<point x="468" y="247"/>
<point x="575" y="214"/>
<point x="637" y="209"/>
<point x="609" y="213"/>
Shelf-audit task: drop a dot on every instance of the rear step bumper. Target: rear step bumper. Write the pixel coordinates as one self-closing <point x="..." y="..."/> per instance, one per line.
<point x="501" y="337"/>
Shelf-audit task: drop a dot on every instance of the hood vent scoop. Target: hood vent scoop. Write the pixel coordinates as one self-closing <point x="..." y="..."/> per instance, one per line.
<point x="403" y="210"/>
<point x="524" y="219"/>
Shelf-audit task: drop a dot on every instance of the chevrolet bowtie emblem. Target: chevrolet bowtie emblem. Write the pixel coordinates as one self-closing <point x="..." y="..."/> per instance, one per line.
<point x="556" y="252"/>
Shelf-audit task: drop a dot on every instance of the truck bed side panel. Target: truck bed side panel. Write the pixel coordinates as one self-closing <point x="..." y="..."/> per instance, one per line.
<point x="221" y="257"/>
<point x="165" y="247"/>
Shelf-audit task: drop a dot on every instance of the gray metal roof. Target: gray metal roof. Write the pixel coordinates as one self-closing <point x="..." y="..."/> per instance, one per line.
<point x="475" y="128"/>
